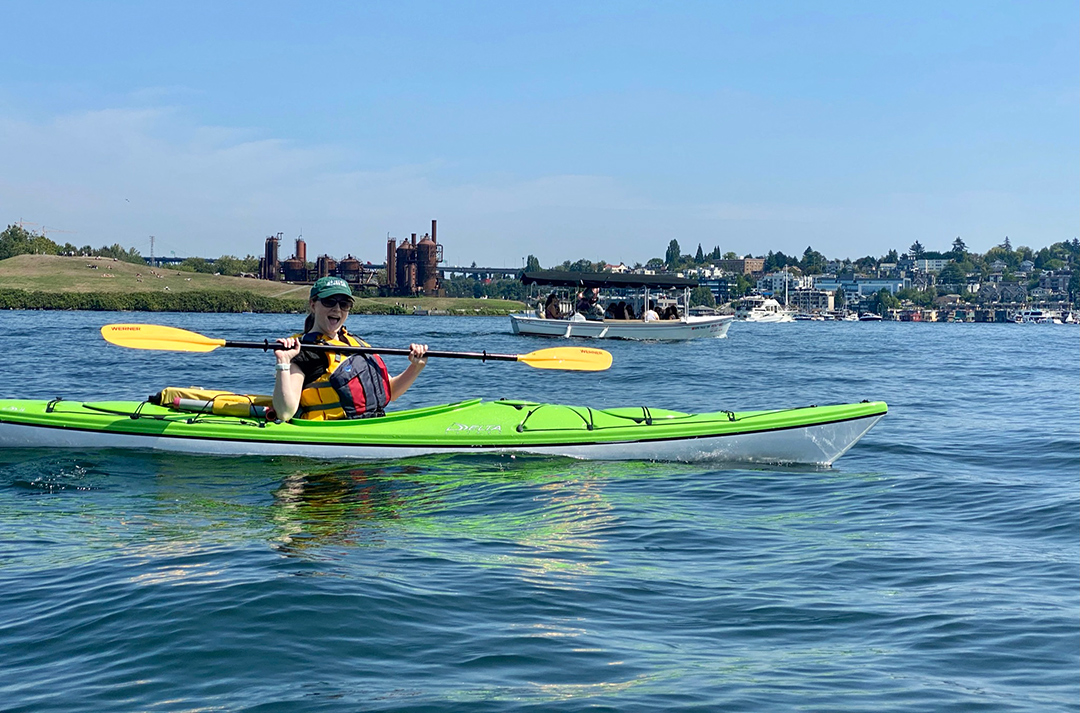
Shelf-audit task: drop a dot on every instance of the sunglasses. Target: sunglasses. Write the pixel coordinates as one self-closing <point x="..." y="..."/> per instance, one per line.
<point x="344" y="303"/>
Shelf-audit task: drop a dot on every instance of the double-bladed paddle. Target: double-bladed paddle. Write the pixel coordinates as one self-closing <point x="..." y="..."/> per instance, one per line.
<point x="153" y="336"/>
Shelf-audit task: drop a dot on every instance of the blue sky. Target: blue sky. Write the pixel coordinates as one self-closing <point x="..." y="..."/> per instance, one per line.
<point x="596" y="130"/>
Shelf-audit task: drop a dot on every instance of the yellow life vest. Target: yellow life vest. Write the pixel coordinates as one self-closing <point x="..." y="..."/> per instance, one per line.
<point x="353" y="386"/>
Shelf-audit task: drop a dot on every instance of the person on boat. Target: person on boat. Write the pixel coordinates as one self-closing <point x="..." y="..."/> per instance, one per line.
<point x="650" y="314"/>
<point x="323" y="386"/>
<point x="672" y="312"/>
<point x="588" y="305"/>
<point x="619" y="310"/>
<point x="551" y="307"/>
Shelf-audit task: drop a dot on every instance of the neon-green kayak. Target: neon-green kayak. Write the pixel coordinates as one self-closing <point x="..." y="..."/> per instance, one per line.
<point x="813" y="434"/>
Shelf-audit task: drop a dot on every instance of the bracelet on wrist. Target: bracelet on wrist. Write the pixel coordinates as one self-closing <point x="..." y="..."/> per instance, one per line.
<point x="282" y="367"/>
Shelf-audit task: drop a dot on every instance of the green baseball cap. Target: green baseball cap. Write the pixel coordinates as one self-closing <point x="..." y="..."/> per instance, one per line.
<point x="327" y="286"/>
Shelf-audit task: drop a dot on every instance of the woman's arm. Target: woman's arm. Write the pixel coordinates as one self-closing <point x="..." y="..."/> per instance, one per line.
<point x="288" y="382"/>
<point x="417" y="361"/>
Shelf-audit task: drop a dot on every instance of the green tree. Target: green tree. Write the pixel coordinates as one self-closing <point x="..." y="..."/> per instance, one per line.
<point x="583" y="265"/>
<point x="741" y="285"/>
<point x="999" y="252"/>
<point x="813" y="262"/>
<point x="250" y="265"/>
<point x="778" y="261"/>
<point x="953" y="274"/>
<point x="883" y="301"/>
<point x="227" y="265"/>
<point x="654" y="263"/>
<point x="917" y="251"/>
<point x="196" y="264"/>
<point x="729" y="255"/>
<point x="922" y="298"/>
<point x="17" y="240"/>
<point x="116" y="250"/>
<point x="673" y="254"/>
<point x="891" y="257"/>
<point x="959" y="249"/>
<point x="699" y="257"/>
<point x="1006" y="246"/>
<point x="702" y="295"/>
<point x="532" y="264"/>
<point x="866" y="263"/>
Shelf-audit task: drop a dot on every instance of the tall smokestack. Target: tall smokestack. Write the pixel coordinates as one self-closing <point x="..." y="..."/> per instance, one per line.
<point x="433" y="232"/>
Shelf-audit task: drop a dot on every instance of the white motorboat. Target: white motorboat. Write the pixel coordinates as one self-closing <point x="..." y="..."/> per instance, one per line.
<point x="1037" y="316"/>
<point x="756" y="308"/>
<point x="869" y="317"/>
<point x="632" y="288"/>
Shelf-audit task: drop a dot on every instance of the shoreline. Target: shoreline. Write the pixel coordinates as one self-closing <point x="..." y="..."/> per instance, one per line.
<point x="230" y="302"/>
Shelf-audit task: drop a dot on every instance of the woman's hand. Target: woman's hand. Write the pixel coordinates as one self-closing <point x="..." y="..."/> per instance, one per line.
<point x="290" y="352"/>
<point x="418" y="354"/>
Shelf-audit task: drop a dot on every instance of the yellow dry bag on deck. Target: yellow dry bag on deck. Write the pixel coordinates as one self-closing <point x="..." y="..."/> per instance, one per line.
<point x="221" y="403"/>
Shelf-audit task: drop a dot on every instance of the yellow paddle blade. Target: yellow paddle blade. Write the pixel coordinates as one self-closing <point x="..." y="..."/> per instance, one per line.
<point x="568" y="358"/>
<point x="153" y="336"/>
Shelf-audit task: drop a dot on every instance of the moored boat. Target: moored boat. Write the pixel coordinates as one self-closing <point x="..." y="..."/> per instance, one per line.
<point x="1037" y="316"/>
<point x="756" y="308"/>
<point x="811" y="435"/>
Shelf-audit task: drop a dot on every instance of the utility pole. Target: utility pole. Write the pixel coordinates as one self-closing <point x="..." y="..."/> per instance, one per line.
<point x="152" y="263"/>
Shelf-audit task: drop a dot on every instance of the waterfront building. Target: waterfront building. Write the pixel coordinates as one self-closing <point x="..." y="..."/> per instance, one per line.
<point x="810" y="300"/>
<point x="777" y="282"/>
<point x="930" y="265"/>
<point x="1056" y="281"/>
<point x="1008" y="292"/>
<point x="861" y="286"/>
<point x="722" y="288"/>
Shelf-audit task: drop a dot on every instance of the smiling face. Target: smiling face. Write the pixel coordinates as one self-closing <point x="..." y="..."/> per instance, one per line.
<point x="329" y="319"/>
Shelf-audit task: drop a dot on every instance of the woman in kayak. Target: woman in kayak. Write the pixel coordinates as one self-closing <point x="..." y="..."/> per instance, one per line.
<point x="324" y="386"/>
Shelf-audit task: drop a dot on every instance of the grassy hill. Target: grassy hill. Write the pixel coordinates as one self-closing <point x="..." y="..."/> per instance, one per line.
<point x="55" y="273"/>
<point x="58" y="275"/>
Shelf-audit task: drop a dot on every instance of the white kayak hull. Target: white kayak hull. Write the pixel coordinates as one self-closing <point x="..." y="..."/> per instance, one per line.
<point x="819" y="444"/>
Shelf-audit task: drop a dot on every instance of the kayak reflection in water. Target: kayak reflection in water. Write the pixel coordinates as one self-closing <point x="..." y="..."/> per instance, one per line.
<point x="324" y="386"/>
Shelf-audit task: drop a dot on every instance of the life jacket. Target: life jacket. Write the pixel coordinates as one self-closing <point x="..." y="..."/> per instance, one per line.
<point x="353" y="386"/>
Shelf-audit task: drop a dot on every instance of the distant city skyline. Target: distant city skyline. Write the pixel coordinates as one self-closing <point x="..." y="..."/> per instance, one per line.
<point x="599" y="131"/>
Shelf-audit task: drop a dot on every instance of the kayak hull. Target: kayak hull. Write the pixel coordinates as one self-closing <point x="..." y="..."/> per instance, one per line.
<point x="811" y="435"/>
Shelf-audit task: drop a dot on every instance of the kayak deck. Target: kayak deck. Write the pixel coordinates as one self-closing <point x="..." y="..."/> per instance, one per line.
<point x="814" y="434"/>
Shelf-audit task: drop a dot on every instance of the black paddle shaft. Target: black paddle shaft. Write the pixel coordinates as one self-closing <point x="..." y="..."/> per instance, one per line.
<point x="267" y="345"/>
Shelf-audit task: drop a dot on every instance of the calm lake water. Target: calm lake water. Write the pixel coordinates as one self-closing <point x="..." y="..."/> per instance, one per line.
<point x="936" y="567"/>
